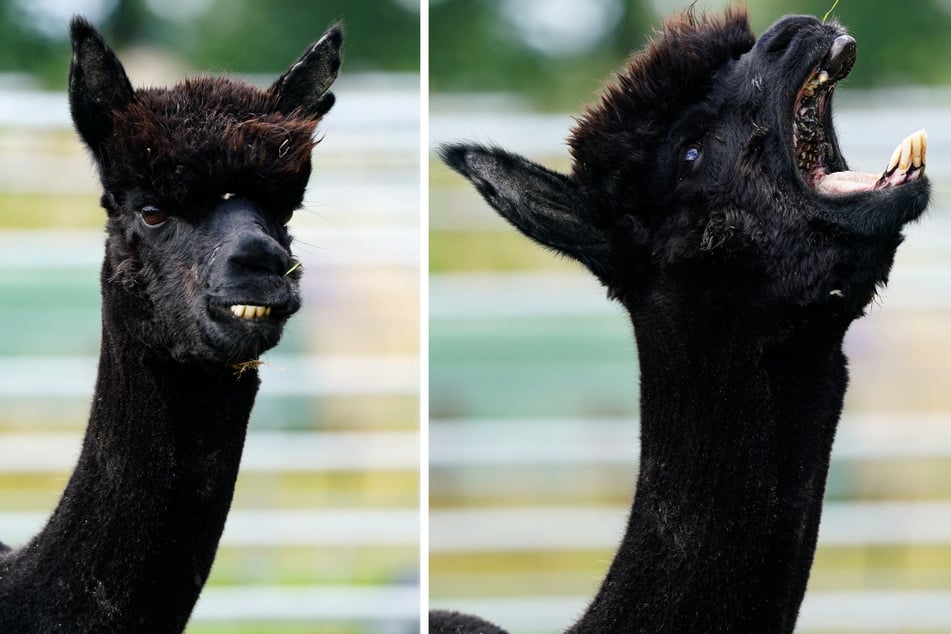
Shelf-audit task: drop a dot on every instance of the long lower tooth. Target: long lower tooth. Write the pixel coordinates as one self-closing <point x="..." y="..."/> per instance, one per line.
<point x="237" y="311"/>
<point x="905" y="161"/>
<point x="259" y="311"/>
<point x="911" y="151"/>
<point x="823" y="77"/>
<point x="919" y="142"/>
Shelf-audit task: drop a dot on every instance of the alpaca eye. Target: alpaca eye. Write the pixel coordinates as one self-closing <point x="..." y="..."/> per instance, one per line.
<point x="692" y="153"/>
<point x="153" y="216"/>
<point x="689" y="159"/>
<point x="285" y="218"/>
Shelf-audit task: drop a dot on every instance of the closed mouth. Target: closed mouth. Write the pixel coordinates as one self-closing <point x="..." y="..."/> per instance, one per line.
<point x="250" y="311"/>
<point x="257" y="312"/>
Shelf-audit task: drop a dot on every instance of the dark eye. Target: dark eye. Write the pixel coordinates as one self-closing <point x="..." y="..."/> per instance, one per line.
<point x="285" y="217"/>
<point x="153" y="216"/>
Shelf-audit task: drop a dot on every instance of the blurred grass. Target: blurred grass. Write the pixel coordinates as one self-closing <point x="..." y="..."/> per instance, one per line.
<point x="490" y="251"/>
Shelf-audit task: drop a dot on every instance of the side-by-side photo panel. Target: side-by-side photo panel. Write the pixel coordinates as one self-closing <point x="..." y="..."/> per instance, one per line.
<point x="260" y="227"/>
<point x="669" y="389"/>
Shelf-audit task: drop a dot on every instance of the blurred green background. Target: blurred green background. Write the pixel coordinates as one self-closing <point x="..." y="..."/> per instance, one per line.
<point x="557" y="53"/>
<point x="323" y="535"/>
<point x="533" y="374"/>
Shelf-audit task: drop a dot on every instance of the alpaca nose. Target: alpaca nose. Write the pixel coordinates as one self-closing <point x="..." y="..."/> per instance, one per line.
<point x="248" y="246"/>
<point x="259" y="253"/>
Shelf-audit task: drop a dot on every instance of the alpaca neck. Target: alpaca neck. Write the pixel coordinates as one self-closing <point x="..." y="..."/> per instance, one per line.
<point x="736" y="432"/>
<point x="134" y="536"/>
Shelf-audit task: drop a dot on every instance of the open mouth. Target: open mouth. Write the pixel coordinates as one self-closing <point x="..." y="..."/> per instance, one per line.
<point x="814" y="147"/>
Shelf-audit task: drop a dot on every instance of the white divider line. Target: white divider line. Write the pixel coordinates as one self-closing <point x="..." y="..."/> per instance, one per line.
<point x="264" y="451"/>
<point x="253" y="528"/>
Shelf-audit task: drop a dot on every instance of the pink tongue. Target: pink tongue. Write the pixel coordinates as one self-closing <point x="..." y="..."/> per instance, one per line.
<point x="847" y="183"/>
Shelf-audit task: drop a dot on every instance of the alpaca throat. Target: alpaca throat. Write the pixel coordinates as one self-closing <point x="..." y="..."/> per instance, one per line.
<point x="736" y="437"/>
<point x="135" y="533"/>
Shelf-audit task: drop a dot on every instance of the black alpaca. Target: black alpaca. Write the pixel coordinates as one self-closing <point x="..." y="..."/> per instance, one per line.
<point x="198" y="280"/>
<point x="710" y="197"/>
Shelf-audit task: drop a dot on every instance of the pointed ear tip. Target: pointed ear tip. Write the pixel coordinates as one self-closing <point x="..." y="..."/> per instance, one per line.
<point x="460" y="156"/>
<point x="454" y="155"/>
<point x="80" y="29"/>
<point x="333" y="35"/>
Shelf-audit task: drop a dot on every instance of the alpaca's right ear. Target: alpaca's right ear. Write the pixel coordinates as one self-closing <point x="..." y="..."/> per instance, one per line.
<point x="306" y="84"/>
<point x="546" y="206"/>
<point x="97" y="85"/>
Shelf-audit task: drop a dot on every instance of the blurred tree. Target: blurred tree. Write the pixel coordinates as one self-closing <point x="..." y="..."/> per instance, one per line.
<point x="476" y="46"/>
<point x="214" y="35"/>
<point x="263" y="36"/>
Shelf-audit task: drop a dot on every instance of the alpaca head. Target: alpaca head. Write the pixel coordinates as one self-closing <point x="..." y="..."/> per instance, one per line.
<point x="200" y="181"/>
<point x="710" y="173"/>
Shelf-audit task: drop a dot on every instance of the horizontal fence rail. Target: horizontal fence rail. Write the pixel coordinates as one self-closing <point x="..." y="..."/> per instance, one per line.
<point x="491" y="529"/>
<point x="859" y="611"/>
<point x="455" y="443"/>
<point x="300" y="375"/>
<point x="264" y="451"/>
<point x="392" y="604"/>
<point x="255" y="528"/>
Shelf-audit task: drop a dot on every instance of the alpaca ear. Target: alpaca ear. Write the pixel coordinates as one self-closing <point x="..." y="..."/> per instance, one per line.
<point x="548" y="207"/>
<point x="98" y="85"/>
<point x="306" y="82"/>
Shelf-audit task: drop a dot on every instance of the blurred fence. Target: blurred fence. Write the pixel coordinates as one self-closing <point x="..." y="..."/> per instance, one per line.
<point x="533" y="398"/>
<point x="323" y="535"/>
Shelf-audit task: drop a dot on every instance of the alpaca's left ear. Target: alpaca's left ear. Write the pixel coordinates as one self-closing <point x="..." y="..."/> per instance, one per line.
<point x="306" y="83"/>
<point x="546" y="206"/>
<point x="98" y="85"/>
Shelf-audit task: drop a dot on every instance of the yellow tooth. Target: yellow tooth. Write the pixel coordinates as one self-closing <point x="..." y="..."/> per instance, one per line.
<point x="259" y="311"/>
<point x="919" y="142"/>
<point x="905" y="161"/>
<point x="237" y="311"/>
<point x="267" y="311"/>
<point x="823" y="77"/>
<point x="914" y="144"/>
